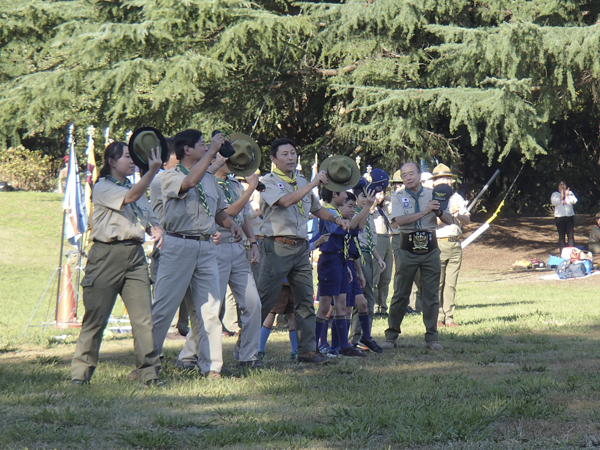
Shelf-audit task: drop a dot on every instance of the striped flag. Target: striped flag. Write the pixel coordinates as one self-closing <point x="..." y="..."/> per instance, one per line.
<point x="74" y="202"/>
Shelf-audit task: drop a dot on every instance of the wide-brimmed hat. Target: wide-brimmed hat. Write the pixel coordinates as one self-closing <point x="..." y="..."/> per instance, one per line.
<point x="142" y="141"/>
<point x="597" y="216"/>
<point x="442" y="170"/>
<point x="246" y="158"/>
<point x="380" y="180"/>
<point x="396" y="177"/>
<point x="342" y="173"/>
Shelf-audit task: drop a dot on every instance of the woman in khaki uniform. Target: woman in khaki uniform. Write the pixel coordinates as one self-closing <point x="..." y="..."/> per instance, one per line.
<point x="117" y="264"/>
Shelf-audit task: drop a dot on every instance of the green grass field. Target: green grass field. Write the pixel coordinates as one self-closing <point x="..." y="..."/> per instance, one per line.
<point x="522" y="372"/>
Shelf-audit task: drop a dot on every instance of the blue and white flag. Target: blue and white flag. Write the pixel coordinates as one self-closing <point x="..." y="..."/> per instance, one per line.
<point x="74" y="202"/>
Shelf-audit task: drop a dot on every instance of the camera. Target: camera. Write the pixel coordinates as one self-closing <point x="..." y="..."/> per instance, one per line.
<point x="226" y="149"/>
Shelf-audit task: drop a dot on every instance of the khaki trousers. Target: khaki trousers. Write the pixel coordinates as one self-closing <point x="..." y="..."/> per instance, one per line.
<point x="291" y="261"/>
<point x="381" y="280"/>
<point x="450" y="259"/>
<point x="115" y="269"/>
<point x="355" y="328"/>
<point x="188" y="263"/>
<point x="429" y="264"/>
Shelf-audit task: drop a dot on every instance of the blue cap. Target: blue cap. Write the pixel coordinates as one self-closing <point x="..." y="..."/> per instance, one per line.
<point x="379" y="180"/>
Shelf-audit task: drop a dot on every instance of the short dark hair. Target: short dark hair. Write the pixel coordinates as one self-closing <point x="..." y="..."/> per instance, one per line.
<point x="279" y="142"/>
<point x="350" y="197"/>
<point x="171" y="145"/>
<point x="186" y="137"/>
<point x="326" y="194"/>
<point x="358" y="191"/>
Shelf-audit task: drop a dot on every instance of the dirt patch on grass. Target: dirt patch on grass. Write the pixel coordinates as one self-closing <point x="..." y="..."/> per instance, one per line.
<point x="513" y="238"/>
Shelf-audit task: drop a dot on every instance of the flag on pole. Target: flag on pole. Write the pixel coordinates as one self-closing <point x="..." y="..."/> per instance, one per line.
<point x="91" y="175"/>
<point x="73" y="203"/>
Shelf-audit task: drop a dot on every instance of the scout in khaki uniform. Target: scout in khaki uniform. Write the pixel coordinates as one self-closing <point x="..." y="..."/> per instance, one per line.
<point x="117" y="263"/>
<point x="193" y="205"/>
<point x="448" y="237"/>
<point x="285" y="205"/>
<point x="369" y="257"/>
<point x="415" y="213"/>
<point x="234" y="268"/>
<point x="395" y="236"/>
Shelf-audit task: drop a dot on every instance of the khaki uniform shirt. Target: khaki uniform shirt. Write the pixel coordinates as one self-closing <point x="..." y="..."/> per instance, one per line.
<point x="380" y="223"/>
<point x="183" y="211"/>
<point x="362" y="235"/>
<point x="280" y="221"/>
<point x="114" y="221"/>
<point x="455" y="229"/>
<point x="404" y="204"/>
<point x="244" y="213"/>
<point x="156" y="196"/>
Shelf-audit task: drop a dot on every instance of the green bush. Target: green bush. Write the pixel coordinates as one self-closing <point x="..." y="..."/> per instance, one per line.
<point x="28" y="169"/>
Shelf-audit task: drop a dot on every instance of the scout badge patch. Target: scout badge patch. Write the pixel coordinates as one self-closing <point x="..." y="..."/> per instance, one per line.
<point x="419" y="241"/>
<point x="405" y="202"/>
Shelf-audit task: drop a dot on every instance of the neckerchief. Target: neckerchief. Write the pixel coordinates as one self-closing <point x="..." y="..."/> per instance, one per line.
<point x="230" y="194"/>
<point x="349" y="238"/>
<point x="416" y="199"/>
<point x="291" y="181"/>
<point x="368" y="231"/>
<point x="139" y="214"/>
<point x="385" y="218"/>
<point x="200" y="191"/>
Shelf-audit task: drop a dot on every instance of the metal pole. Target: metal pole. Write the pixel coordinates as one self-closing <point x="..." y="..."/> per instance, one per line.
<point x="485" y="188"/>
<point x="62" y="243"/>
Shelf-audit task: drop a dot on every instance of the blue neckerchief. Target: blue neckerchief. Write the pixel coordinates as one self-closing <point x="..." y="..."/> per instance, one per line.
<point x="416" y="199"/>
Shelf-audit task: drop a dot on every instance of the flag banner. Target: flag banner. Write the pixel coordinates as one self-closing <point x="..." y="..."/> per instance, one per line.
<point x="73" y="203"/>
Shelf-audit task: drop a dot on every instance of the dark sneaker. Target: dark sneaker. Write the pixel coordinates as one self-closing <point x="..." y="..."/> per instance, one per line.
<point x="313" y="358"/>
<point x="186" y="365"/>
<point x="260" y="355"/>
<point x="352" y="352"/>
<point x="79" y="382"/>
<point x="250" y="365"/>
<point x="155" y="382"/>
<point x="359" y="345"/>
<point x="411" y="312"/>
<point x="294" y="355"/>
<point x="371" y="345"/>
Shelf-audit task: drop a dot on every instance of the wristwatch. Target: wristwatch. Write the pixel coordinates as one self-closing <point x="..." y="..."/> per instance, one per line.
<point x="254" y="243"/>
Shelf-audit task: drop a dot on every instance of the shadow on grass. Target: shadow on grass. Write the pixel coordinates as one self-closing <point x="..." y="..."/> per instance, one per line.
<point x="491" y="305"/>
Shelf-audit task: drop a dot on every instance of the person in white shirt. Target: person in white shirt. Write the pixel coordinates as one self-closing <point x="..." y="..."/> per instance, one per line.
<point x="564" y="215"/>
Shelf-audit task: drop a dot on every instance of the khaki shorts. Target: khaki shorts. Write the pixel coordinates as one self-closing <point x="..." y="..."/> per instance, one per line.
<point x="285" y="301"/>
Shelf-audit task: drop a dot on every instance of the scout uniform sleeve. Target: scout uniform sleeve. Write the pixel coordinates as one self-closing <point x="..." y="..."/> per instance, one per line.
<point x="314" y="203"/>
<point x="147" y="210"/>
<point x="273" y="191"/>
<point x="221" y="200"/>
<point x="109" y="195"/>
<point x="397" y="207"/>
<point x="171" y="183"/>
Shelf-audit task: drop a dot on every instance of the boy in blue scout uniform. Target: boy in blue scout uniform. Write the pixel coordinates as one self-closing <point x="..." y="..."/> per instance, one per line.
<point x="285" y="206"/>
<point x="416" y="215"/>
<point x="333" y="274"/>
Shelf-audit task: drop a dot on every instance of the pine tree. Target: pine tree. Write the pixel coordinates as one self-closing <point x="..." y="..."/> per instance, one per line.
<point x="469" y="82"/>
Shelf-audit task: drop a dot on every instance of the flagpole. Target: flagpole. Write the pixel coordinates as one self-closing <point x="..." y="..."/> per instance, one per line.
<point x="62" y="243"/>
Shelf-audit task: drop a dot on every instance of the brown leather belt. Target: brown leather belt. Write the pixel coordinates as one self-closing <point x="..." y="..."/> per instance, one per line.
<point x="203" y="237"/>
<point x="287" y="241"/>
<point x="449" y="239"/>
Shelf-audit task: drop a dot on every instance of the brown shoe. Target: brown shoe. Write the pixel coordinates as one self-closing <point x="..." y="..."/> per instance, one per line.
<point x="133" y="375"/>
<point x="441" y="324"/>
<point x="213" y="375"/>
<point x="313" y="358"/>
<point x="453" y="324"/>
